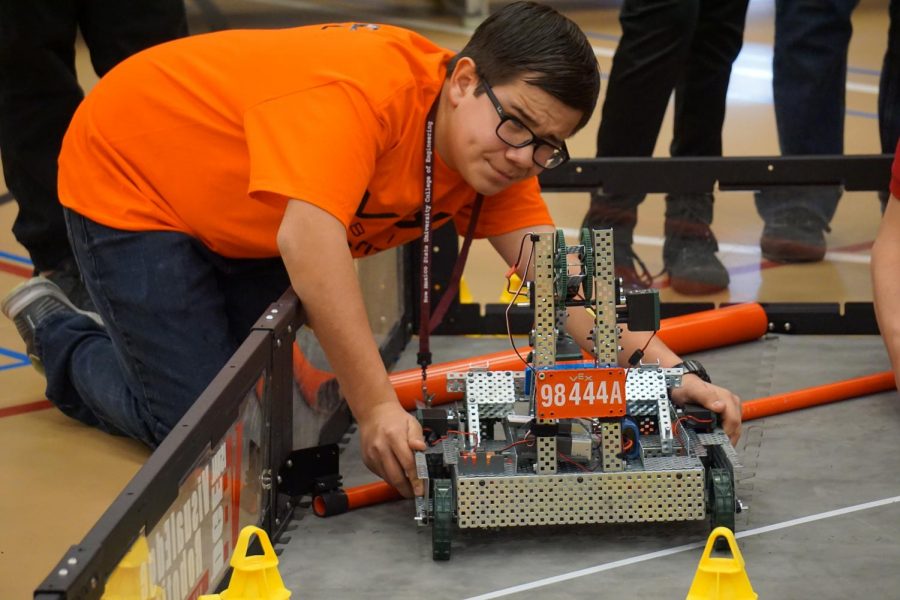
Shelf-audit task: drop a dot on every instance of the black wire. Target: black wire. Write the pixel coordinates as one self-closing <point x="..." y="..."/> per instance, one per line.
<point x="513" y="301"/>
<point x="519" y="258"/>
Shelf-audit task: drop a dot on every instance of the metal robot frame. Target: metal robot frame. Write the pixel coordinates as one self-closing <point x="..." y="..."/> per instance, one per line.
<point x="566" y="441"/>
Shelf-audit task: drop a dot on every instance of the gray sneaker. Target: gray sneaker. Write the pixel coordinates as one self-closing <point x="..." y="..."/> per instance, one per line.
<point x="794" y="235"/>
<point x="689" y="252"/>
<point x="31" y="303"/>
<point x="619" y="213"/>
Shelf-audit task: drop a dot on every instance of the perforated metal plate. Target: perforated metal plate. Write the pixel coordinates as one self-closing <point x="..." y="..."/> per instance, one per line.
<point x="422" y="502"/>
<point x="546" y="451"/>
<point x="581" y="498"/>
<point x="606" y="339"/>
<point x="644" y="384"/>
<point x="490" y="387"/>
<point x="672" y="463"/>
<point x="456" y="382"/>
<point x="612" y="447"/>
<point x="544" y="310"/>
<point x="489" y="394"/>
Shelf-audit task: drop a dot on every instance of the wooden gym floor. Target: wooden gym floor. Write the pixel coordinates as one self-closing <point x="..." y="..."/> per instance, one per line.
<point x="57" y="477"/>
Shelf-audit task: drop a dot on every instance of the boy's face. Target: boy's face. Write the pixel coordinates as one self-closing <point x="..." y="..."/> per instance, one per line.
<point x="474" y="149"/>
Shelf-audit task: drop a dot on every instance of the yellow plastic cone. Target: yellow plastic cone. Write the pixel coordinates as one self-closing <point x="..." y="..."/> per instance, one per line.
<point x="253" y="577"/>
<point x="514" y="282"/>
<point x="721" y="578"/>
<point x="131" y="578"/>
<point x="465" y="294"/>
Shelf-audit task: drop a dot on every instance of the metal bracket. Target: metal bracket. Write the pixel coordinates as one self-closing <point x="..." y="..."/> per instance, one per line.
<point x="310" y="470"/>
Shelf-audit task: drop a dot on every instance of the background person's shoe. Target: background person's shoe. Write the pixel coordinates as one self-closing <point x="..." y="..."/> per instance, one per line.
<point x="619" y="213"/>
<point x="689" y="252"/>
<point x="693" y="267"/>
<point x="794" y="235"/>
<point x="630" y="268"/>
<point x="31" y="303"/>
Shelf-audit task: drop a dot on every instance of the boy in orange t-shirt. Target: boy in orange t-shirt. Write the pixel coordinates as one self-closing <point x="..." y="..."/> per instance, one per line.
<point x="202" y="177"/>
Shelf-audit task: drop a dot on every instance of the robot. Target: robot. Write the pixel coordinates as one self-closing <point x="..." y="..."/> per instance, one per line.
<point x="569" y="441"/>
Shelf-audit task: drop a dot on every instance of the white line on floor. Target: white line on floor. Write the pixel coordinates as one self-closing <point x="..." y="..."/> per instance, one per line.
<point x="677" y="549"/>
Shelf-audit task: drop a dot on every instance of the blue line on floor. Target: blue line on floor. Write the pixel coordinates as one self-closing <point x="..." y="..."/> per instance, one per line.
<point x="863" y="114"/>
<point x="15" y="258"/>
<point x="862" y="71"/>
<point x="21" y="360"/>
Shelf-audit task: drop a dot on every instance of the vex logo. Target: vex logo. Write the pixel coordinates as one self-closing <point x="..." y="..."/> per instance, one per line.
<point x="581" y="377"/>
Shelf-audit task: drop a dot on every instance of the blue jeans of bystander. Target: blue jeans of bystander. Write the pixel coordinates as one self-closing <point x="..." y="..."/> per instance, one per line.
<point x="809" y="80"/>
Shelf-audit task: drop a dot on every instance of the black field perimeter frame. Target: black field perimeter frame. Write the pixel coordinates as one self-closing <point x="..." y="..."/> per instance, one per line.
<point x="690" y="175"/>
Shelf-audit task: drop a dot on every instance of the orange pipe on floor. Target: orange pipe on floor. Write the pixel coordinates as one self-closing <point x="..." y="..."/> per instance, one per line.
<point x="408" y="384"/>
<point x="715" y="328"/>
<point x="820" y="394"/>
<point x="688" y="333"/>
<point x="339" y="501"/>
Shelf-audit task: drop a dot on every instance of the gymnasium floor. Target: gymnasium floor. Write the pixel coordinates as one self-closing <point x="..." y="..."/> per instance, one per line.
<point x="57" y="477"/>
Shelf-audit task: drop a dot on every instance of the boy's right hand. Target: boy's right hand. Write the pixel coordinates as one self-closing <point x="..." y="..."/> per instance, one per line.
<point x="388" y="436"/>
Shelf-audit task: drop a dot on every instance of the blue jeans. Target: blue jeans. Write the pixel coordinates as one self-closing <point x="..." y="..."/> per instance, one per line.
<point x="810" y="74"/>
<point x="174" y="313"/>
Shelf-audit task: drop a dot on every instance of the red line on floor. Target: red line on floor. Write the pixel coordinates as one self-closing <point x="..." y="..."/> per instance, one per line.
<point x="19" y="409"/>
<point x="768" y="264"/>
<point x="764" y="264"/>
<point x="855" y="247"/>
<point x="25" y="272"/>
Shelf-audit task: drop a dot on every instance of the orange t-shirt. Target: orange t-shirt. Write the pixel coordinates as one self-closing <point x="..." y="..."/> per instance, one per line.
<point x="212" y="134"/>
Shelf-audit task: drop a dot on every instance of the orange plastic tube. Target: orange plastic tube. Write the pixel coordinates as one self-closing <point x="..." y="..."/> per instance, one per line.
<point x="339" y="501"/>
<point x="820" y="394"/>
<point x="709" y="329"/>
<point x="688" y="333"/>
<point x="408" y="384"/>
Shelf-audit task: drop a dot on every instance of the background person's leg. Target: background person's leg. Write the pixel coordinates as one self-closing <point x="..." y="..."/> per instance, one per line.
<point x="38" y="95"/>
<point x="889" y="86"/>
<point x="648" y="62"/>
<point x="809" y="82"/>
<point x="689" y="253"/>
<point x="114" y="30"/>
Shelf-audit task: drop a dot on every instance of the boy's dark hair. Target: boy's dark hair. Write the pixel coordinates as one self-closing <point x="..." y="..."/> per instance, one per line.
<point x="534" y="42"/>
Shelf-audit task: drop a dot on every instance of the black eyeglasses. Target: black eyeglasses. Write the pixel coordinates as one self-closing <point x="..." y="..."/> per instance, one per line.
<point x="515" y="133"/>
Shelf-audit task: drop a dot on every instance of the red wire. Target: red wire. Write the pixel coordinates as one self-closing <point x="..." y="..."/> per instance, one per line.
<point x="529" y="442"/>
<point x="569" y="460"/>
